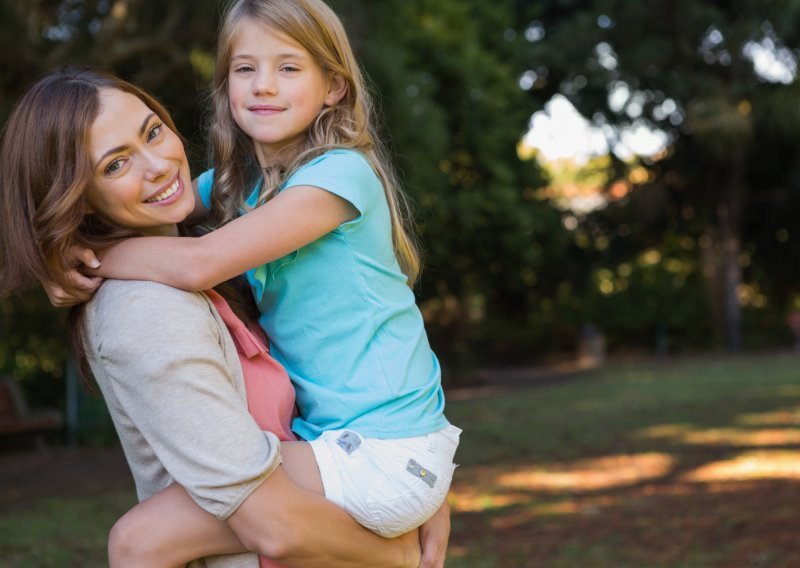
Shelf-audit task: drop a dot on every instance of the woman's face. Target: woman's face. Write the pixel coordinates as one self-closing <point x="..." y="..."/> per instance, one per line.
<point x="141" y="174"/>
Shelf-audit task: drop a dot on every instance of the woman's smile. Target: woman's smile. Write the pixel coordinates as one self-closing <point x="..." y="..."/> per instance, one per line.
<point x="141" y="173"/>
<point x="171" y="194"/>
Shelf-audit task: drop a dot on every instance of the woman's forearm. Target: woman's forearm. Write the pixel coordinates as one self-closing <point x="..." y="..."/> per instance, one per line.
<point x="298" y="528"/>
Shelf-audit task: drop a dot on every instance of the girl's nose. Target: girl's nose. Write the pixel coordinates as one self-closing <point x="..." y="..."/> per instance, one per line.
<point x="264" y="83"/>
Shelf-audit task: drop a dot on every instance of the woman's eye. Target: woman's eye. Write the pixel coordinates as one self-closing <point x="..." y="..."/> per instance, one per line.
<point x="154" y="131"/>
<point x="113" y="167"/>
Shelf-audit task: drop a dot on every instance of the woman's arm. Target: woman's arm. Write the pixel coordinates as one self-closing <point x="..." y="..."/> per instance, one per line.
<point x="279" y="520"/>
<point x="160" y="359"/>
<point x="294" y="218"/>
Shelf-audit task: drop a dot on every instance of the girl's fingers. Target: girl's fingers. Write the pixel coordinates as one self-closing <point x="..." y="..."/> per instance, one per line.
<point x="84" y="256"/>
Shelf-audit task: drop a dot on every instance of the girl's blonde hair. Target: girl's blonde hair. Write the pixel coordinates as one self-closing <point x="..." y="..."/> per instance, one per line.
<point x="348" y="124"/>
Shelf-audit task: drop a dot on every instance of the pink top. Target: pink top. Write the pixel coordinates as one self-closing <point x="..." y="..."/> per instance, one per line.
<point x="270" y="395"/>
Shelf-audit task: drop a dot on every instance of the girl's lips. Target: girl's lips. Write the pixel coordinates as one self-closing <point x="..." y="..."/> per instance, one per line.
<point x="265" y="109"/>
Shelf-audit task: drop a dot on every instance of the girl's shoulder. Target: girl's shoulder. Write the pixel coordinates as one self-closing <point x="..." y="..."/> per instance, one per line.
<point x="343" y="172"/>
<point x="340" y="160"/>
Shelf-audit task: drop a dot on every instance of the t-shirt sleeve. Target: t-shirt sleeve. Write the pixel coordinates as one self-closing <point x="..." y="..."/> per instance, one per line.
<point x="345" y="173"/>
<point x="205" y="182"/>
<point x="162" y="357"/>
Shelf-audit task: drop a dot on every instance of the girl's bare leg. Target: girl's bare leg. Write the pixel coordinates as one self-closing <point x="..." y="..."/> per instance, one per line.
<point x="300" y="465"/>
<point x="169" y="529"/>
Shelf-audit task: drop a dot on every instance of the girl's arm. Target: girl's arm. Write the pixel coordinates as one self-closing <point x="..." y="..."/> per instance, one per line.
<point x="84" y="286"/>
<point x="295" y="217"/>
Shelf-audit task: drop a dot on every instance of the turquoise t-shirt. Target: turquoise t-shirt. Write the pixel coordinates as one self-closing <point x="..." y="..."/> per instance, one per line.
<point x="343" y="321"/>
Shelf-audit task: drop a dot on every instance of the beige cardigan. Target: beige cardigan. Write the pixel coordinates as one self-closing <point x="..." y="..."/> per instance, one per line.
<point x="172" y="381"/>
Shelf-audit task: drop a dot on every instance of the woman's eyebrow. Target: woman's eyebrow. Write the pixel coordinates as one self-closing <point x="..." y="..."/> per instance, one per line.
<point x="121" y="148"/>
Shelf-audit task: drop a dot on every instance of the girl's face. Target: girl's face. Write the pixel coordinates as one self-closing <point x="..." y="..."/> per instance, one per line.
<point x="276" y="88"/>
<point x="141" y="174"/>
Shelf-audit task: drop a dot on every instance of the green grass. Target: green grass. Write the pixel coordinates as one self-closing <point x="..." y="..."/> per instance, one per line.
<point x="658" y="521"/>
<point x="62" y="533"/>
<point x="576" y="426"/>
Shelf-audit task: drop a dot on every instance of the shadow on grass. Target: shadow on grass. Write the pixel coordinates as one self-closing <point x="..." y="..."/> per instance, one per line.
<point x="692" y="463"/>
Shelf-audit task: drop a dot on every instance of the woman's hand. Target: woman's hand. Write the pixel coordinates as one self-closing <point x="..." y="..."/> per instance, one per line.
<point x="85" y="286"/>
<point x="433" y="537"/>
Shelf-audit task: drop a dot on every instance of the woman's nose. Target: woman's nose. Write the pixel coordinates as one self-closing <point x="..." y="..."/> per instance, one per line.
<point x="157" y="165"/>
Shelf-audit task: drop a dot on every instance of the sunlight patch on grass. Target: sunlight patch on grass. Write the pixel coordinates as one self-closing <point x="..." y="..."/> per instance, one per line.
<point x="776" y="418"/>
<point x="673" y="431"/>
<point x="738" y="437"/>
<point x="752" y="465"/>
<point x="685" y="434"/>
<point x="474" y="500"/>
<point x="496" y="487"/>
<point x="592" y="474"/>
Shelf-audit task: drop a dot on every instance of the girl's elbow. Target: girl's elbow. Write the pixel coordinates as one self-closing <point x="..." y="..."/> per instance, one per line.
<point x="196" y="273"/>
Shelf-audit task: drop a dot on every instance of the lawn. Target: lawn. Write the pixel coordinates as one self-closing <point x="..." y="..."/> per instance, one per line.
<point x="688" y="463"/>
<point x="682" y="463"/>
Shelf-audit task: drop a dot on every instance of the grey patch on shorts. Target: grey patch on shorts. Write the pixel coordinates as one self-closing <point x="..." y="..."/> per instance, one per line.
<point x="349" y="442"/>
<point x="425" y="475"/>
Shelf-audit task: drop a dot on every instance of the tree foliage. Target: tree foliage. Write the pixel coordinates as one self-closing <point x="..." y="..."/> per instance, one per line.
<point x="719" y="78"/>
<point x="445" y="74"/>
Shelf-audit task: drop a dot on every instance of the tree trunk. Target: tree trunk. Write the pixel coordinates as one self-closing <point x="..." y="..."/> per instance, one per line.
<point x="721" y="251"/>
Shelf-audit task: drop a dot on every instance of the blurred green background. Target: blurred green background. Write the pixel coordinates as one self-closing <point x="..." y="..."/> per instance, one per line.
<point x="672" y="231"/>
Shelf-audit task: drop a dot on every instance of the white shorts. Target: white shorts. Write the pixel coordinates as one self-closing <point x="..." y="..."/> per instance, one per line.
<point x="388" y="486"/>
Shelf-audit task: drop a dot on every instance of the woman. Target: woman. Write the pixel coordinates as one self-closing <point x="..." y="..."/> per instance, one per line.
<point x="87" y="160"/>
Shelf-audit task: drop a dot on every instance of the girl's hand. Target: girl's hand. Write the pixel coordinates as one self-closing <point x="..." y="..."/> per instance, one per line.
<point x="433" y="537"/>
<point x="85" y="286"/>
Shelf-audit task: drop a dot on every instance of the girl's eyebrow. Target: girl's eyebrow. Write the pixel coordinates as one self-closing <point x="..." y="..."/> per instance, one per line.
<point x="121" y="148"/>
<point x="288" y="54"/>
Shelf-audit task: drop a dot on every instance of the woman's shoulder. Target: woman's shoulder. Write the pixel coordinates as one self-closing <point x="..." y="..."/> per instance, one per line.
<point x="124" y="303"/>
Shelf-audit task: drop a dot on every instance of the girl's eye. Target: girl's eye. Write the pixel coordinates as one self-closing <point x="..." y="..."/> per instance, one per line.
<point x="114" y="166"/>
<point x="154" y="131"/>
<point x="243" y="69"/>
<point x="290" y="68"/>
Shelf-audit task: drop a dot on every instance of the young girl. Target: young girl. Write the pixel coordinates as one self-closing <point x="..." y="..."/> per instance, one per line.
<point x="308" y="206"/>
<point x="87" y="159"/>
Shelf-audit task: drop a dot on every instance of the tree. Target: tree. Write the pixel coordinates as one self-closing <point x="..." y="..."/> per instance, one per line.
<point x="696" y="70"/>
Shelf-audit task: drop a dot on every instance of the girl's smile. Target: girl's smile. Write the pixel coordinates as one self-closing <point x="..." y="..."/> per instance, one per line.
<point x="276" y="88"/>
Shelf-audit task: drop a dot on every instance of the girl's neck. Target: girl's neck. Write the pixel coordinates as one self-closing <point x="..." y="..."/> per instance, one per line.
<point x="272" y="157"/>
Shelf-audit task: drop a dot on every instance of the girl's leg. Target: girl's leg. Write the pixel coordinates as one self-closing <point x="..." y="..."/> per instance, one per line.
<point x="300" y="465"/>
<point x="169" y="529"/>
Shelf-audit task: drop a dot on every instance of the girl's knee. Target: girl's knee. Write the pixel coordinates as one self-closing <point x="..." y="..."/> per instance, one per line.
<point x="129" y="543"/>
<point x="122" y="543"/>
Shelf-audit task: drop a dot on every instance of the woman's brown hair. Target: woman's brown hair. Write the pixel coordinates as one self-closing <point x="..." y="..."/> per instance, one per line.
<point x="45" y="170"/>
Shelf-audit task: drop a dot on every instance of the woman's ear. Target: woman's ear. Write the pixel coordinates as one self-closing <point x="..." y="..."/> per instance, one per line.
<point x="337" y="89"/>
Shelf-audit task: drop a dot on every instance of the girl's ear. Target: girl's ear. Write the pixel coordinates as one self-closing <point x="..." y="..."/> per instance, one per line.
<point x="337" y="89"/>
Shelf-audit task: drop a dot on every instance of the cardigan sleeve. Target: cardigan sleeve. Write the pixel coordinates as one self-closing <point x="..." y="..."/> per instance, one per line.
<point x="159" y="355"/>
